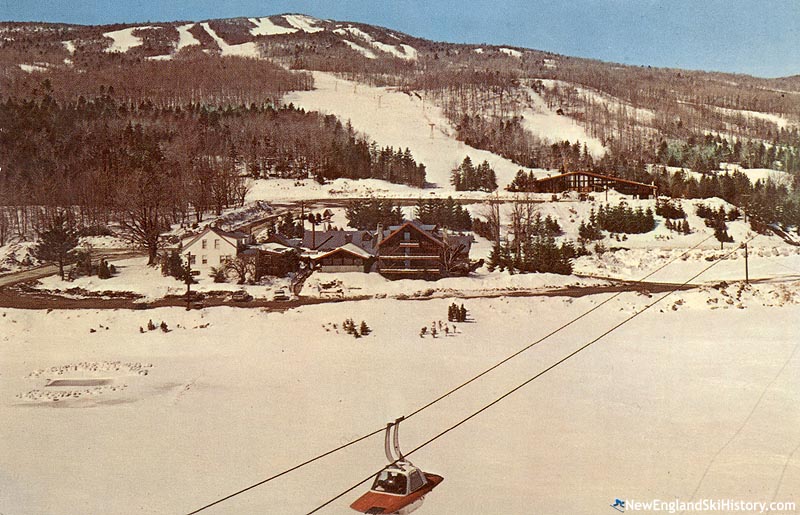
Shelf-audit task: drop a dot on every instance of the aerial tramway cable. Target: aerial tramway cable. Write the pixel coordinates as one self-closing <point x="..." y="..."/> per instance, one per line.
<point x="452" y="390"/>
<point x="536" y="376"/>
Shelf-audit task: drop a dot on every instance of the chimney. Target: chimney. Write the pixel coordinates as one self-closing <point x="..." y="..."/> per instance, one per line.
<point x="378" y="236"/>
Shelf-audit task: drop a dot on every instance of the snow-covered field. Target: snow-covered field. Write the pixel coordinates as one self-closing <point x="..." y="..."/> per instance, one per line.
<point x="685" y="401"/>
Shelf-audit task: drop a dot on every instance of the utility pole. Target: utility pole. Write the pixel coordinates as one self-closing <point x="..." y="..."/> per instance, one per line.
<point x="746" y="268"/>
<point x="313" y="222"/>
<point x="746" y="263"/>
<point x="188" y="280"/>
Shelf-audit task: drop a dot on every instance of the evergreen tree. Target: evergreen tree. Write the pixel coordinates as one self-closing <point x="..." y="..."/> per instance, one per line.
<point x="57" y="242"/>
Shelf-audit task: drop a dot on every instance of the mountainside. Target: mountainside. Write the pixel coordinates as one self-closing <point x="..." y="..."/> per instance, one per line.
<point x="84" y="106"/>
<point x="626" y="103"/>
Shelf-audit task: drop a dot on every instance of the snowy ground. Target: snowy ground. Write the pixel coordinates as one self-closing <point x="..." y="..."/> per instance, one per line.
<point x="133" y="275"/>
<point x="686" y="401"/>
<point x="290" y="189"/>
<point x="17" y="256"/>
<point x="356" y="284"/>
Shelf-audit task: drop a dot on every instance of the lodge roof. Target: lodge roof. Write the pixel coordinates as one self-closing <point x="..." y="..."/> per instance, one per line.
<point x="328" y="240"/>
<point x="598" y="176"/>
<point x="347" y="247"/>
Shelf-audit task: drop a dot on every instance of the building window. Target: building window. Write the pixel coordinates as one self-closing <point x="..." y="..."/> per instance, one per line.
<point x="204" y="259"/>
<point x="192" y="259"/>
<point x="224" y="259"/>
<point x="204" y="243"/>
<point x="216" y="243"/>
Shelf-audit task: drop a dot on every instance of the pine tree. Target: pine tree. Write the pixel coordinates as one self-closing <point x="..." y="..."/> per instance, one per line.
<point x="57" y="242"/>
<point x="103" y="272"/>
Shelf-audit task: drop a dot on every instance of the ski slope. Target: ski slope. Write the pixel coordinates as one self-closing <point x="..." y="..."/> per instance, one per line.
<point x="546" y="123"/>
<point x="186" y="38"/>
<point x="249" y="49"/>
<point x="123" y="39"/>
<point x="395" y="119"/>
<point x="302" y="22"/>
<point x="265" y="27"/>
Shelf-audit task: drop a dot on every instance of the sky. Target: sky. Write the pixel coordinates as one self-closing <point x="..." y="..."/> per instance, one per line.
<point x="757" y="37"/>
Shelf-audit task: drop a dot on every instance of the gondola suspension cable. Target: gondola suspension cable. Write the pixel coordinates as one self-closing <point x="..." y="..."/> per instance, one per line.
<point x="533" y="378"/>
<point x="452" y="390"/>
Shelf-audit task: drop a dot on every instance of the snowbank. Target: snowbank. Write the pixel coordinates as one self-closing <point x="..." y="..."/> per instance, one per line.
<point x="483" y="283"/>
<point x="17" y="256"/>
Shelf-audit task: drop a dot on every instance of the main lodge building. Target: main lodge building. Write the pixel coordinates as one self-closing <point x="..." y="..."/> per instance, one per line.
<point x="409" y="250"/>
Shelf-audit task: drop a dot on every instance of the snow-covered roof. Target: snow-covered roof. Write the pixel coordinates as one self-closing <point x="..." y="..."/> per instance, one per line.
<point x="275" y="248"/>
<point x="230" y="237"/>
<point x="328" y="240"/>
<point x="347" y="247"/>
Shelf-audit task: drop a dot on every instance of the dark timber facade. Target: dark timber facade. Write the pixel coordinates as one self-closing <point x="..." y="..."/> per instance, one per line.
<point x="588" y="182"/>
<point x="411" y="251"/>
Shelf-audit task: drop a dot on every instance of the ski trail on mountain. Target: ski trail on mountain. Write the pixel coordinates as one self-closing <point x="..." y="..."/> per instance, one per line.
<point x="400" y="120"/>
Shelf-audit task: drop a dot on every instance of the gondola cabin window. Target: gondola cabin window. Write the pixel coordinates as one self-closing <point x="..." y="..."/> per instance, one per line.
<point x="391" y="482"/>
<point x="416" y="480"/>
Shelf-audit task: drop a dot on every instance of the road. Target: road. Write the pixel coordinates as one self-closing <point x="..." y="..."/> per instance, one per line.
<point x="39" y="272"/>
<point x="24" y="298"/>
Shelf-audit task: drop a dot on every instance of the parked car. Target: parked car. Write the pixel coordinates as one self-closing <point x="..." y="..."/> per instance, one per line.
<point x="280" y="295"/>
<point x="241" y="296"/>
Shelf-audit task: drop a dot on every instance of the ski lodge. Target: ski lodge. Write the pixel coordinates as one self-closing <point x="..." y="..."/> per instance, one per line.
<point x="409" y="250"/>
<point x="590" y="182"/>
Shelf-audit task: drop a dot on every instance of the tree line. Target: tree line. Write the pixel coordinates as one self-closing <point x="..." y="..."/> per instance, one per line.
<point x="146" y="167"/>
<point x="468" y="177"/>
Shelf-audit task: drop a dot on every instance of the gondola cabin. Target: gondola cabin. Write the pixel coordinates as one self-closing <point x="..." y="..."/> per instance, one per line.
<point x="398" y="489"/>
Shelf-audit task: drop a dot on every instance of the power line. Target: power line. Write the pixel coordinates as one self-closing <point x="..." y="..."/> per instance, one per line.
<point x="452" y="390"/>
<point x="292" y="469"/>
<point x="531" y="379"/>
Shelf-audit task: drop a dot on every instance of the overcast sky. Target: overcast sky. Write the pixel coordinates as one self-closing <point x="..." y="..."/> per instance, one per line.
<point x="759" y="37"/>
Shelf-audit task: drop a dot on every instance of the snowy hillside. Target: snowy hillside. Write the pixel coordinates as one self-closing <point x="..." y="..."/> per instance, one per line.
<point x="400" y="120"/>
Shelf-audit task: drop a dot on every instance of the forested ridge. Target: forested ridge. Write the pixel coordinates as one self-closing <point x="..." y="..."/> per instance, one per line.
<point x="82" y="127"/>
